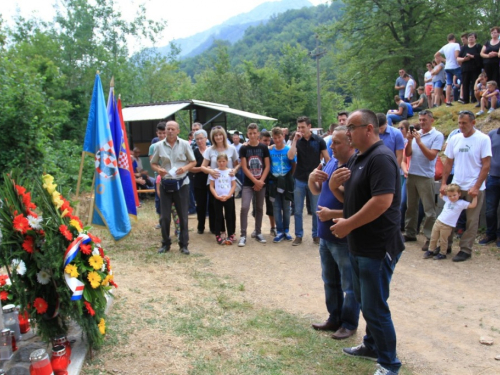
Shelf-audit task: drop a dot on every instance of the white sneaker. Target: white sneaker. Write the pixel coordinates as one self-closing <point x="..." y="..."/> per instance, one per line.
<point x="243" y="242"/>
<point x="383" y="371"/>
<point x="259" y="237"/>
<point x="480" y="113"/>
<point x="491" y="110"/>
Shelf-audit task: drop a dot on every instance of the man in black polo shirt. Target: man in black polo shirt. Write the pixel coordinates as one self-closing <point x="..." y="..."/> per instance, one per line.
<point x="371" y="193"/>
<point x="310" y="149"/>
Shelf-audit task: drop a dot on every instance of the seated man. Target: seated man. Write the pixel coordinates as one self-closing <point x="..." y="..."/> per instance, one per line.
<point x="397" y="115"/>
<point x="141" y="175"/>
<point x="422" y="102"/>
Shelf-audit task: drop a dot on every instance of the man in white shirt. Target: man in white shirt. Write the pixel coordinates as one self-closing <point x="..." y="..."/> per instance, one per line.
<point x="452" y="68"/>
<point x="470" y="151"/>
<point x="410" y="88"/>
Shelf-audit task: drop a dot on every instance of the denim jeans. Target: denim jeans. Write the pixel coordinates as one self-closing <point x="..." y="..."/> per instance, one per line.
<point x="281" y="209"/>
<point x="299" y="194"/>
<point x="392" y="118"/>
<point x="492" y="201"/>
<point x="403" y="202"/>
<point x="337" y="278"/>
<point x="371" y="281"/>
<point x="192" y="204"/>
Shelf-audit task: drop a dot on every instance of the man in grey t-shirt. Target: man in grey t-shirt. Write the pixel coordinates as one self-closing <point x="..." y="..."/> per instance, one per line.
<point x="423" y="147"/>
<point x="401" y="84"/>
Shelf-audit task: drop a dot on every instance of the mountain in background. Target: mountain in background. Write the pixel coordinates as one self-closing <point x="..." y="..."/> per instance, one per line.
<point x="234" y="28"/>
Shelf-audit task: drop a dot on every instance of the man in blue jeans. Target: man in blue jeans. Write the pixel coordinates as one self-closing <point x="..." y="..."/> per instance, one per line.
<point x="334" y="253"/>
<point x="310" y="149"/>
<point x="371" y="191"/>
<point x="493" y="192"/>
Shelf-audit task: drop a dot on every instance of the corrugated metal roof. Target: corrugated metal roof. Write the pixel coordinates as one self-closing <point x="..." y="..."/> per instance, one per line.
<point x="161" y="111"/>
<point x="151" y="112"/>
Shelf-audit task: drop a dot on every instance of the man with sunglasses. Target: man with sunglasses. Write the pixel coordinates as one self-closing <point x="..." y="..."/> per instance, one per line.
<point x="423" y="146"/>
<point x="470" y="152"/>
<point x="370" y="188"/>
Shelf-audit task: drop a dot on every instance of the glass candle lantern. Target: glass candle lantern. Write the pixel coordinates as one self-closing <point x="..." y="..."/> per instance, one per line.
<point x="11" y="321"/>
<point x="24" y="322"/>
<point x="63" y="340"/>
<point x="59" y="360"/>
<point x="40" y="363"/>
<point x="5" y="344"/>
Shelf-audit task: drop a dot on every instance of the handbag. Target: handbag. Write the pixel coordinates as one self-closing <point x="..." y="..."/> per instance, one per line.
<point x="172" y="185"/>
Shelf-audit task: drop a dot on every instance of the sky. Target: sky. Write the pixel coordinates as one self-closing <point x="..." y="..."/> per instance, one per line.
<point x="184" y="18"/>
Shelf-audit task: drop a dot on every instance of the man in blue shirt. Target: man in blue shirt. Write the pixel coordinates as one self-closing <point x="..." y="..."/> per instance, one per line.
<point x="392" y="137"/>
<point x="334" y="252"/>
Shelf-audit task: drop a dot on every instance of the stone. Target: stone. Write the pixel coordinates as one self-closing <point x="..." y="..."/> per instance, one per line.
<point x="486" y="340"/>
<point x="497" y="357"/>
<point x="19" y="369"/>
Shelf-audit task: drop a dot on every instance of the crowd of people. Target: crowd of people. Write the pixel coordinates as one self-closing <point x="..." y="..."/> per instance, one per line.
<point x="469" y="71"/>
<point x="368" y="186"/>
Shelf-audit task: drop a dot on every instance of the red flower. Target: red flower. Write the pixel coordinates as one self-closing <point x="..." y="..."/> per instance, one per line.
<point x="28" y="244"/>
<point x="65" y="232"/>
<point x="20" y="190"/>
<point x="101" y="252"/>
<point x="4" y="295"/>
<point x="3" y="279"/>
<point x="111" y="282"/>
<point x="41" y="232"/>
<point x="40" y="305"/>
<point x="27" y="201"/>
<point x="86" y="249"/>
<point x="108" y="262"/>
<point x="94" y="239"/>
<point x="21" y="224"/>
<point x="89" y="308"/>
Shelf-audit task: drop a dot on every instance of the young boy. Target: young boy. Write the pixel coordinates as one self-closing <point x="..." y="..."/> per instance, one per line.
<point x="222" y="188"/>
<point x="281" y="184"/>
<point x="255" y="164"/>
<point x="489" y="98"/>
<point x="480" y="88"/>
<point x="447" y="220"/>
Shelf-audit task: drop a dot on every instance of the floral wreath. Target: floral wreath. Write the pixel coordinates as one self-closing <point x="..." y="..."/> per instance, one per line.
<point x="57" y="268"/>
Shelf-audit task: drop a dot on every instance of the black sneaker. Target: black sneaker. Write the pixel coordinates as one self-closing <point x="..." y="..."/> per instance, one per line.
<point x="461" y="256"/>
<point x="409" y="239"/>
<point x="185" y="251"/>
<point x="428" y="254"/>
<point x="478" y="105"/>
<point x="449" y="104"/>
<point x="163" y="249"/>
<point x="461" y="101"/>
<point x="448" y="250"/>
<point x="361" y="351"/>
<point x="440" y="256"/>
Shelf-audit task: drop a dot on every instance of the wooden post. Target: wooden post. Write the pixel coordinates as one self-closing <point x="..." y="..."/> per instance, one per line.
<point x="78" y="183"/>
<point x="91" y="209"/>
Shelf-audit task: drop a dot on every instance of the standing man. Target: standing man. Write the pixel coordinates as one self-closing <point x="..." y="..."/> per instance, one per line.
<point x="423" y="146"/>
<point x="452" y="68"/>
<point x="401" y="84"/>
<point x="371" y="196"/>
<point x="409" y="89"/>
<point x="493" y="192"/>
<point x="310" y="149"/>
<point x="392" y="138"/>
<point x="334" y="253"/>
<point x="341" y="121"/>
<point x="172" y="160"/>
<point x="470" y="151"/>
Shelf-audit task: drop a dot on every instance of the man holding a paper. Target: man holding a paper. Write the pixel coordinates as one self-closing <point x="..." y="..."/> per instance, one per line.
<point x="172" y="160"/>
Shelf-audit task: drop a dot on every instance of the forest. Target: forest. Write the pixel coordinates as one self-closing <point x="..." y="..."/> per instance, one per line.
<point x="47" y="69"/>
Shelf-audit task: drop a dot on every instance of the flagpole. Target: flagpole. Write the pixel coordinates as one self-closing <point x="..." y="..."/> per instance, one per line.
<point x="78" y="183"/>
<point x="91" y="209"/>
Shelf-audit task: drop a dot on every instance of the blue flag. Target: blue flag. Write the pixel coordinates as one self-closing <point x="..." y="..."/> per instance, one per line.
<point x="123" y="154"/>
<point x="109" y="209"/>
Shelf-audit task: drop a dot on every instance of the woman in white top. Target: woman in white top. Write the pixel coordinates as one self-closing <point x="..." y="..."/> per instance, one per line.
<point x="218" y="137"/>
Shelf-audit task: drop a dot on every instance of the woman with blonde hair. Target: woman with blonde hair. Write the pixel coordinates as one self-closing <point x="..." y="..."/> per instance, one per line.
<point x="218" y="137"/>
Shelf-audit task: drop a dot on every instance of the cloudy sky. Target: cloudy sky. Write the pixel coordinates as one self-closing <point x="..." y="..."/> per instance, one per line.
<point x="184" y="18"/>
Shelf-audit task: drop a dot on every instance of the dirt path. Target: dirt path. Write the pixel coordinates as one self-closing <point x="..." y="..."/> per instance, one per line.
<point x="440" y="308"/>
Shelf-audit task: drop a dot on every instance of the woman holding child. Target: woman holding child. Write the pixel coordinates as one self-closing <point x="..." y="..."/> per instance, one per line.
<point x="218" y="137"/>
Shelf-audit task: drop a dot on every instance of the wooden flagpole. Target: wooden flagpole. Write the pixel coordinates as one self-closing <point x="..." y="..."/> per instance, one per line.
<point x="79" y="182"/>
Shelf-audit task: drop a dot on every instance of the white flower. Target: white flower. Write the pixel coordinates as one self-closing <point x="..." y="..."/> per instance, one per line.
<point x="43" y="277"/>
<point x="96" y="251"/>
<point x="19" y="266"/>
<point x="35" y="222"/>
<point x="103" y="268"/>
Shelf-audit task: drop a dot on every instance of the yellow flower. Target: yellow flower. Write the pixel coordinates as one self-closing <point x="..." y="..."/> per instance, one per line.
<point x="48" y="183"/>
<point x="107" y="279"/>
<point x="96" y="261"/>
<point x="94" y="279"/>
<point x="72" y="270"/>
<point x="56" y="199"/>
<point x="75" y="224"/>
<point x="65" y="213"/>
<point x="102" y="326"/>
